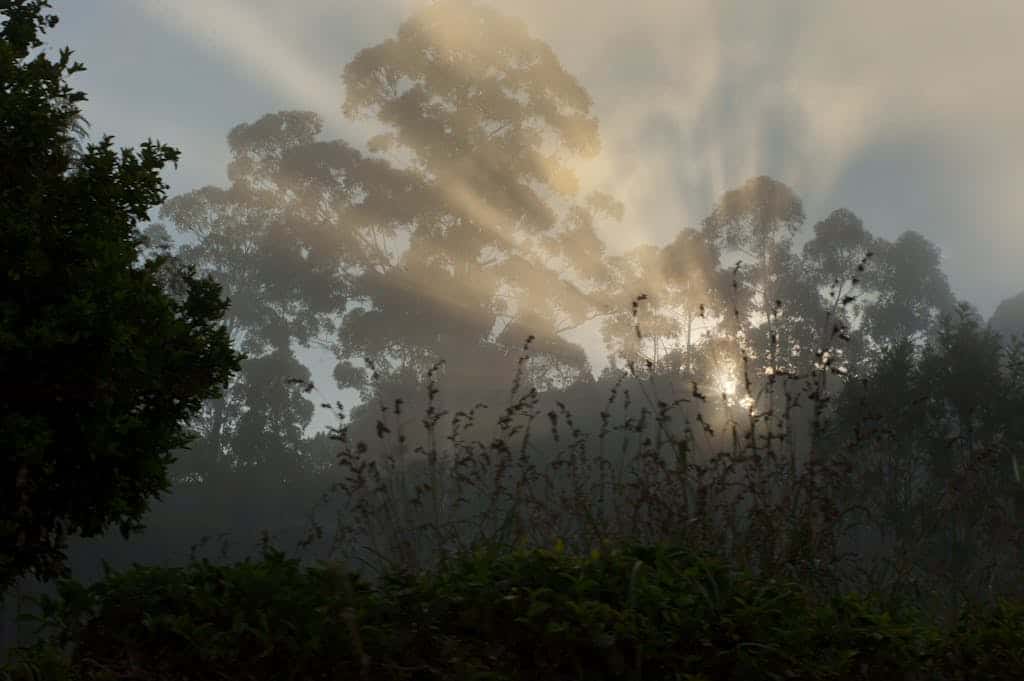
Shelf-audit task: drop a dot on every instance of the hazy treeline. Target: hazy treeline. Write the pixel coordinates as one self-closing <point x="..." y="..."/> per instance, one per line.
<point x="462" y="230"/>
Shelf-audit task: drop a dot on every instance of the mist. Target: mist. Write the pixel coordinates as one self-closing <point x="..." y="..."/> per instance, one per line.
<point x="705" y="234"/>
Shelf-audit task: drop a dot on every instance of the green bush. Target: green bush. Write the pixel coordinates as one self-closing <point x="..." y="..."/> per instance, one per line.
<point x="624" y="612"/>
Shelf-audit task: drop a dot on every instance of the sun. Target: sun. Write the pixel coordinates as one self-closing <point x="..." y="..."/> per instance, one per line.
<point x="725" y="382"/>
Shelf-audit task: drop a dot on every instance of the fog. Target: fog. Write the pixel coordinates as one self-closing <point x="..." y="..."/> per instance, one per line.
<point x="906" y="114"/>
<point x="723" y="203"/>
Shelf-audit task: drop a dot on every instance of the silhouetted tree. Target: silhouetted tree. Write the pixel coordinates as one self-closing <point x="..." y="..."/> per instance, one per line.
<point x="282" y="264"/>
<point x="104" y="357"/>
<point x="757" y="221"/>
<point x="797" y="329"/>
<point x="839" y="263"/>
<point x="839" y="245"/>
<point x="1008" y="319"/>
<point x="752" y="220"/>
<point x="913" y="291"/>
<point x="634" y="273"/>
<point x="696" y="283"/>
<point x="684" y="286"/>
<point x="488" y="121"/>
<point x="933" y="444"/>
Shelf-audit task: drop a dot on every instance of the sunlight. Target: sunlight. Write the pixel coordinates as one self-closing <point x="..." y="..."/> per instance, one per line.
<point x="725" y="382"/>
<point x="727" y="385"/>
<point x="257" y="49"/>
<point x="237" y="35"/>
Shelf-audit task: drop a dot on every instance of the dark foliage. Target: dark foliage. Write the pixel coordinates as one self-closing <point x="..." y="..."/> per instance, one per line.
<point x="625" y="612"/>
<point x="104" y="358"/>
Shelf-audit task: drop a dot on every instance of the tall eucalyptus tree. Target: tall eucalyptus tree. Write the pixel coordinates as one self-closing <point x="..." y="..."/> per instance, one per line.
<point x="1008" y="318"/>
<point x="914" y="291"/>
<point x="488" y="122"/>
<point x="685" y="292"/>
<point x="282" y="272"/>
<point x="757" y="222"/>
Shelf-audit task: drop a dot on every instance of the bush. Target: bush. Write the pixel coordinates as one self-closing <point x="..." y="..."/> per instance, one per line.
<point x="625" y="612"/>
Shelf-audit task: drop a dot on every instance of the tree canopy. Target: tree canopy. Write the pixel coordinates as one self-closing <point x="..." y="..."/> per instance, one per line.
<point x="104" y="355"/>
<point x="1008" y="318"/>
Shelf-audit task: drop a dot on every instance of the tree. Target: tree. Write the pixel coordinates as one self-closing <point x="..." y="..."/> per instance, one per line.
<point x="456" y="235"/>
<point x="839" y="263"/>
<point x="634" y="273"/>
<point x="682" y="283"/>
<point x="758" y="221"/>
<point x="487" y="120"/>
<point x="1008" y="319"/>
<point x="840" y="243"/>
<point x="696" y="282"/>
<point x="104" y="358"/>
<point x="897" y="290"/>
<point x="936" y="433"/>
<point x="753" y="220"/>
<point x="914" y="292"/>
<point x="282" y="264"/>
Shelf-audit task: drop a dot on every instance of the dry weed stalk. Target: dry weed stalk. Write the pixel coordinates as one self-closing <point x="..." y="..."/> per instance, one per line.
<point x="731" y="479"/>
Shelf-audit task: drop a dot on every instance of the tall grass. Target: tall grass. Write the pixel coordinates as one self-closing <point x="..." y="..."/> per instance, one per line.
<point x="762" y="479"/>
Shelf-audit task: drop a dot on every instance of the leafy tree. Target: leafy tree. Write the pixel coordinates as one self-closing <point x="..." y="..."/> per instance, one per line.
<point x="795" y="330"/>
<point x="684" y="288"/>
<point x="281" y="265"/>
<point x="753" y="220"/>
<point x="1008" y="319"/>
<point x="1009" y="410"/>
<point x="696" y="282"/>
<point x="257" y="238"/>
<point x="898" y="288"/>
<point x="758" y="221"/>
<point x="935" y="434"/>
<point x="104" y="357"/>
<point x="913" y="290"/>
<point x="310" y="231"/>
<point x="839" y="262"/>
<point x="634" y="273"/>
<point x="963" y="363"/>
<point x="840" y="243"/>
<point x="457" y="236"/>
<point x="774" y="311"/>
<point x="487" y="120"/>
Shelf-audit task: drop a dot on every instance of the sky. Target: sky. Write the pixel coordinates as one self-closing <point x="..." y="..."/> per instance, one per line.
<point x="909" y="114"/>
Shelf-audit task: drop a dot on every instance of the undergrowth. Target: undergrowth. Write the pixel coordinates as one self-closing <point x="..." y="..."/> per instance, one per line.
<point x="696" y="537"/>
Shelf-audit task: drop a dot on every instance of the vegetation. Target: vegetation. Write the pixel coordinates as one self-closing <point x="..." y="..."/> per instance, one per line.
<point x="629" y="612"/>
<point x="800" y="463"/>
<point x="103" y="363"/>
